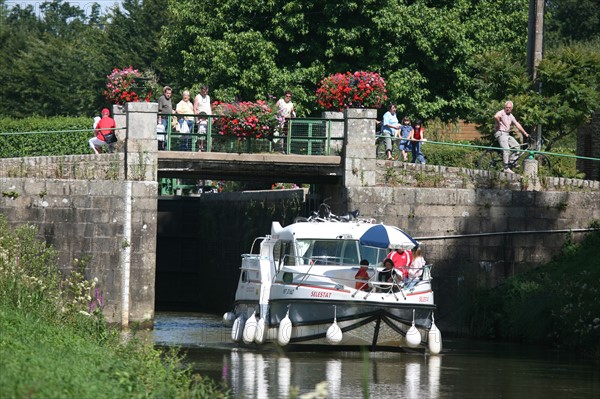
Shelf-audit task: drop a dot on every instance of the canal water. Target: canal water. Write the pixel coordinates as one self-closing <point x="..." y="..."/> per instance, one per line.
<point x="464" y="369"/>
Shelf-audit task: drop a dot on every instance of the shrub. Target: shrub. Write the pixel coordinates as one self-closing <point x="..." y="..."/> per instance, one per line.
<point x="553" y="304"/>
<point x="39" y="136"/>
<point x="460" y="157"/>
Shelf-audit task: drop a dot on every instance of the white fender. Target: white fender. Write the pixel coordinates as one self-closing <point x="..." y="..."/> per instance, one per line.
<point x="250" y="329"/>
<point x="261" y="330"/>
<point x="413" y="337"/>
<point x="334" y="334"/>
<point x="238" y="328"/>
<point x="284" y="333"/>
<point x="434" y="338"/>
<point x="229" y="318"/>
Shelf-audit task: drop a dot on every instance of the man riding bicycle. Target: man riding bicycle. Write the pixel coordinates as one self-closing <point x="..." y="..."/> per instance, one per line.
<point x="502" y="123"/>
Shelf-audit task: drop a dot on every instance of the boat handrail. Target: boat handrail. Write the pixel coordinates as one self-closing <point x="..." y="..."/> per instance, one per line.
<point x="254" y="242"/>
<point x="349" y="282"/>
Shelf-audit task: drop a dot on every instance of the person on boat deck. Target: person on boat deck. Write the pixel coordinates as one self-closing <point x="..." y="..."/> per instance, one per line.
<point x="402" y="260"/>
<point x="385" y="275"/>
<point x="415" y="271"/>
<point x="363" y="276"/>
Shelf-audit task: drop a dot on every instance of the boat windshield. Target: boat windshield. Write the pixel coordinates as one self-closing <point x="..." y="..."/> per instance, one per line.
<point x="335" y="252"/>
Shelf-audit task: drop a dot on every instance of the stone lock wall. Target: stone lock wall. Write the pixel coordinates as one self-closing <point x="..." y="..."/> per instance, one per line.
<point x="97" y="207"/>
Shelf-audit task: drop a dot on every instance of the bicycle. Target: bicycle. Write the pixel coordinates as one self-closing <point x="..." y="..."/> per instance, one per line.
<point x="324" y="214"/>
<point x="491" y="159"/>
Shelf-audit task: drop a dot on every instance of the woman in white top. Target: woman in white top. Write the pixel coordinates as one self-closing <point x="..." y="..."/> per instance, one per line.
<point x="286" y="110"/>
<point x="202" y="102"/>
<point x="202" y="107"/>
<point x="416" y="267"/>
<point x="286" y="106"/>
<point x="186" y="123"/>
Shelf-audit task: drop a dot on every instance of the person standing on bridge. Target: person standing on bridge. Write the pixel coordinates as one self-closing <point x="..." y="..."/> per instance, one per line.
<point x="165" y="106"/>
<point x="202" y="108"/>
<point x="389" y="128"/>
<point x="286" y="111"/>
<point x="503" y="120"/>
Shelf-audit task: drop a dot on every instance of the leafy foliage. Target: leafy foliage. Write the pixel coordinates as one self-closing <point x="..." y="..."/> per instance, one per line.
<point x="294" y="44"/>
<point x="460" y="157"/>
<point x="57" y="136"/>
<point x="50" y="66"/>
<point x="49" y="320"/>
<point x="572" y="20"/>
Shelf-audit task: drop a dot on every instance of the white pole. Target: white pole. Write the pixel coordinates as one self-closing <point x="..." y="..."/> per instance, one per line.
<point x="125" y="270"/>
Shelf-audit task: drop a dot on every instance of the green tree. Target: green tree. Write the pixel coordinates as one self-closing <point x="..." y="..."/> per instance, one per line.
<point x="52" y="65"/>
<point x="571" y="20"/>
<point x="264" y="47"/>
<point x="134" y="31"/>
<point x="570" y="81"/>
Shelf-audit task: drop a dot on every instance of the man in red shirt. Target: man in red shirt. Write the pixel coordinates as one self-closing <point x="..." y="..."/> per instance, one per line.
<point x="402" y="260"/>
<point x="105" y="133"/>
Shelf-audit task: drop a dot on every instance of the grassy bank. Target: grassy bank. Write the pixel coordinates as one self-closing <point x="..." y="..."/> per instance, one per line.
<point x="54" y="342"/>
<point x="555" y="304"/>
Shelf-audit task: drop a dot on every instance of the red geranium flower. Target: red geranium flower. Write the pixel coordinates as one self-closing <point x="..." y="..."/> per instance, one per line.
<point x="359" y="89"/>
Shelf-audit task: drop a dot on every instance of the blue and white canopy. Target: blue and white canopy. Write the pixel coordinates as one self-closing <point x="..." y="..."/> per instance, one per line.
<point x="382" y="236"/>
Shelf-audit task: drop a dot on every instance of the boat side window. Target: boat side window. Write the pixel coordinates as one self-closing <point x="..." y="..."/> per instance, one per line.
<point x="350" y="253"/>
<point x="374" y="255"/>
<point x="282" y="253"/>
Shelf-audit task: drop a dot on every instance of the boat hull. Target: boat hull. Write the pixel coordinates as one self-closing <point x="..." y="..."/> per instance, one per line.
<point x="374" y="325"/>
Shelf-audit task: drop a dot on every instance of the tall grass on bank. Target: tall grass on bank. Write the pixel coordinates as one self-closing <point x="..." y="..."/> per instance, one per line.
<point x="555" y="304"/>
<point x="55" y="343"/>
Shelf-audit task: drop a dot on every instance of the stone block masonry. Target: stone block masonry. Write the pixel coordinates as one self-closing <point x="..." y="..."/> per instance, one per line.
<point x="87" y="220"/>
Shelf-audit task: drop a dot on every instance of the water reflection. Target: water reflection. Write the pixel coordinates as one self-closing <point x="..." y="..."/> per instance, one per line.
<point x="465" y="369"/>
<point x="284" y="376"/>
<point x="251" y="374"/>
<point x="435" y="363"/>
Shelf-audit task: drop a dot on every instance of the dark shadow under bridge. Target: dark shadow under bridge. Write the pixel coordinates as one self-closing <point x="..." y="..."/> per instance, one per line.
<point x="250" y="167"/>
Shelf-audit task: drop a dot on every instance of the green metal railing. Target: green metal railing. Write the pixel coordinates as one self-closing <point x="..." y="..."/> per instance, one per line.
<point x="304" y="136"/>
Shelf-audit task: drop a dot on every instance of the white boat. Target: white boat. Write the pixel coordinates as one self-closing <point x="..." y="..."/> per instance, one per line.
<point x="297" y="286"/>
